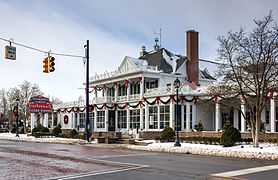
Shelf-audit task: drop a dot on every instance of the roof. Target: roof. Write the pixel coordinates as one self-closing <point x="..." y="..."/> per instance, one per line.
<point x="165" y="61"/>
<point x="208" y="69"/>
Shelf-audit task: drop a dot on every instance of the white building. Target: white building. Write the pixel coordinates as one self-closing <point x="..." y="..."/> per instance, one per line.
<point x="140" y="95"/>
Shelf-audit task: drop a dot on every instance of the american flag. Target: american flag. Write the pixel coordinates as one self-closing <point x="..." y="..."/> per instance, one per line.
<point x="191" y="84"/>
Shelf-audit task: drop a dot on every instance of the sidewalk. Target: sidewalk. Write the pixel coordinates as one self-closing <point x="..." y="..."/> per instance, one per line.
<point x="265" y="151"/>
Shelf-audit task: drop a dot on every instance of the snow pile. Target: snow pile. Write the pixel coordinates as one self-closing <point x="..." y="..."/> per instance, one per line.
<point x="171" y="60"/>
<point x="265" y="151"/>
<point x="25" y="138"/>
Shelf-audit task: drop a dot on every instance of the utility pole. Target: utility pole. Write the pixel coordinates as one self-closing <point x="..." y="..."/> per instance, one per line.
<point x="87" y="92"/>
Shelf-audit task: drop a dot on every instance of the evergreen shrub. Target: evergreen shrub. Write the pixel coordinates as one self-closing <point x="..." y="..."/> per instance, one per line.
<point x="34" y="130"/>
<point x="167" y="134"/>
<point x="230" y="137"/>
<point x="56" y="131"/>
<point x="44" y="129"/>
<point x="72" y="133"/>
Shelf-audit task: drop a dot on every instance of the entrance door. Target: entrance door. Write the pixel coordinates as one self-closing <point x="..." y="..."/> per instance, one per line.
<point x="111" y="122"/>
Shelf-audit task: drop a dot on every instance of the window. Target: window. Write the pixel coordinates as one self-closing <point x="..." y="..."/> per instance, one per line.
<point x="82" y="120"/>
<point x="121" y="119"/>
<point x="164" y="116"/>
<point x="91" y="119"/>
<point x="267" y="117"/>
<point x="134" y="118"/>
<point x="153" y="117"/>
<point x="100" y="119"/>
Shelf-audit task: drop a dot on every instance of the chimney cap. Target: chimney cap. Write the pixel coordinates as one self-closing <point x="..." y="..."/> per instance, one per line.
<point x="192" y="31"/>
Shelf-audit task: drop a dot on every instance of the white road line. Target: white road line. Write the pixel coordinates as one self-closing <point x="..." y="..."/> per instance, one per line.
<point x="116" y="162"/>
<point x="246" y="171"/>
<point x="98" y="173"/>
<point x="140" y="154"/>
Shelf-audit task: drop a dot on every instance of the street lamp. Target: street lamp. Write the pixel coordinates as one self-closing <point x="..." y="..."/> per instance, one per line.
<point x="16" y="116"/>
<point x="177" y="85"/>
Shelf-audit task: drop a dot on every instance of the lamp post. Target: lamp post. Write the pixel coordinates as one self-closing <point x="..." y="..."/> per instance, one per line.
<point x="16" y="116"/>
<point x="177" y="85"/>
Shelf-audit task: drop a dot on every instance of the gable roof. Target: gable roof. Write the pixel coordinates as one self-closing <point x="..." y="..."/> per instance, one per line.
<point x="165" y="61"/>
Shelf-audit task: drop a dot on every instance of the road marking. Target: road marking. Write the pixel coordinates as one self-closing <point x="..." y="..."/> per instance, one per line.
<point x="116" y="162"/>
<point x="225" y="178"/>
<point x="246" y="171"/>
<point x="130" y="166"/>
<point x="97" y="173"/>
<point x="127" y="155"/>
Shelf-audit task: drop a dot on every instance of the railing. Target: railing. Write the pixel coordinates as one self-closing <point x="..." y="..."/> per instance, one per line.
<point x="115" y="73"/>
<point x="158" y="91"/>
<point x="121" y="98"/>
<point x="134" y="97"/>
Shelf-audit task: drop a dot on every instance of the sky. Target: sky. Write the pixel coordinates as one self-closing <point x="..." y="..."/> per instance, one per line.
<point x="115" y="29"/>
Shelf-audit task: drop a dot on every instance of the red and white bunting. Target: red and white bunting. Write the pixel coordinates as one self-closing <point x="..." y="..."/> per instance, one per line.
<point x="271" y="95"/>
<point x="215" y="99"/>
<point x="104" y="87"/>
<point x="157" y="100"/>
<point x="140" y="78"/>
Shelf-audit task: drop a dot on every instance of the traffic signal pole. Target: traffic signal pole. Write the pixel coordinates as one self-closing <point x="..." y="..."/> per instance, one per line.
<point x="87" y="92"/>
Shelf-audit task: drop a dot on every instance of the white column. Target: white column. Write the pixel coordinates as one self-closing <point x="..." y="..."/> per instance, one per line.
<point x="172" y="115"/>
<point x="142" y="88"/>
<point x="33" y="119"/>
<point x="235" y="119"/>
<point x="182" y="117"/>
<point x="78" y="121"/>
<point x="127" y="91"/>
<point x="217" y="116"/>
<point x="141" y="118"/>
<point x="158" y="117"/>
<point x="272" y="115"/>
<point x="116" y="120"/>
<point x="116" y="92"/>
<point x="95" y="121"/>
<point x="127" y="119"/>
<point x="243" y="120"/>
<point x="106" y="120"/>
<point x="187" y="116"/>
<point x="45" y="124"/>
<point x="147" y="117"/>
<point x="52" y="123"/>
<point x="194" y="115"/>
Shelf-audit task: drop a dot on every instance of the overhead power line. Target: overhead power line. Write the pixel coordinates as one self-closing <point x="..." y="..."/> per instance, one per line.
<point x="39" y="50"/>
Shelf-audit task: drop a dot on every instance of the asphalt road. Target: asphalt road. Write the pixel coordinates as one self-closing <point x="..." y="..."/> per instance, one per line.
<point x="55" y="161"/>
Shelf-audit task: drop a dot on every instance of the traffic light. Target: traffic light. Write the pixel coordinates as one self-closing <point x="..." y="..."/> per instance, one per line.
<point x="51" y="64"/>
<point x="46" y="65"/>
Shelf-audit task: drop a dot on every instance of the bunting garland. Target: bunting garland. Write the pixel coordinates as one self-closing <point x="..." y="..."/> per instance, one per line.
<point x="127" y="82"/>
<point x="140" y="78"/>
<point x="157" y="100"/>
<point x="271" y="95"/>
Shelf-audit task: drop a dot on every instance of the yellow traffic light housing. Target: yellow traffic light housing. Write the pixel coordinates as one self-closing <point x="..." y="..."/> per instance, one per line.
<point x="51" y="64"/>
<point x="46" y="65"/>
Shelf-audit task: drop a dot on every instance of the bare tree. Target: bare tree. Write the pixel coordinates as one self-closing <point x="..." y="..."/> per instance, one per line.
<point x="27" y="90"/>
<point x="250" y="66"/>
<point x="12" y="95"/>
<point x="3" y="106"/>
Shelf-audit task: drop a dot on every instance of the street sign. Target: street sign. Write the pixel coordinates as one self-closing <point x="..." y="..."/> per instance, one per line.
<point x="10" y="52"/>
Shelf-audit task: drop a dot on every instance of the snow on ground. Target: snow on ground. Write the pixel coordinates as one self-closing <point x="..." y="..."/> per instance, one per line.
<point x="265" y="151"/>
<point x="24" y="137"/>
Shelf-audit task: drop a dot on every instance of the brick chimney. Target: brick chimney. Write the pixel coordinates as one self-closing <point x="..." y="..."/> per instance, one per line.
<point x="192" y="53"/>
